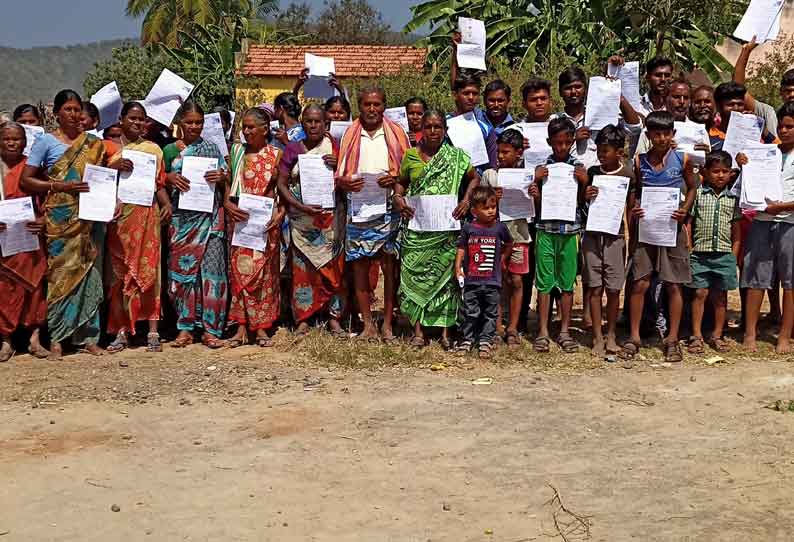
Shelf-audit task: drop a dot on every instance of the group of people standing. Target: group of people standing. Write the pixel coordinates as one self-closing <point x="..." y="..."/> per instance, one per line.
<point x="90" y="277"/>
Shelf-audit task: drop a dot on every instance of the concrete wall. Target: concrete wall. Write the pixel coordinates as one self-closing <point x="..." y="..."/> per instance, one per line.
<point x="731" y="49"/>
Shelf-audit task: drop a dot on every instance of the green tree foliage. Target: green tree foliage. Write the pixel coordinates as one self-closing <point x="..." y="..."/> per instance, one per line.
<point x="35" y="75"/>
<point x="135" y="69"/>
<point x="764" y="77"/>
<point x="587" y="30"/>
<point x="164" y="19"/>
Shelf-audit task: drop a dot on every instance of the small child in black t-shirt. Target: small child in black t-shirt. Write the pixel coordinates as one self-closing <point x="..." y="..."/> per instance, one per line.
<point x="483" y="247"/>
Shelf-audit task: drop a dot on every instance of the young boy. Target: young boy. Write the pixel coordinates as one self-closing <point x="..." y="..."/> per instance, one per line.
<point x="770" y="245"/>
<point x="714" y="236"/>
<point x="661" y="167"/>
<point x="483" y="247"/>
<point x="604" y="253"/>
<point x="556" y="251"/>
<point x="536" y="95"/>
<point x="511" y="147"/>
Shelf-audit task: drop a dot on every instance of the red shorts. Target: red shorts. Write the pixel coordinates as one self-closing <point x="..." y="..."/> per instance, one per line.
<point x="519" y="259"/>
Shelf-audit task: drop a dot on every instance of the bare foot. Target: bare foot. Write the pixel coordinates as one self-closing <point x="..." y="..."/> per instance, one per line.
<point x="612" y="345"/>
<point x="6" y="352"/>
<point x="94" y="350"/>
<point x="370" y="332"/>
<point x="749" y="344"/>
<point x="783" y="346"/>
<point x="386" y="332"/>
<point x="56" y="352"/>
<point x="598" y="348"/>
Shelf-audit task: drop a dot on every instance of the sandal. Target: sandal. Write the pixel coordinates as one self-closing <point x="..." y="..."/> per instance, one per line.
<point x="567" y="343"/>
<point x="541" y="344"/>
<point x="237" y="343"/>
<point x="153" y="342"/>
<point x="417" y="342"/>
<point x="672" y="352"/>
<point x="264" y="342"/>
<point x="512" y="340"/>
<point x="182" y="342"/>
<point x="463" y="348"/>
<point x="630" y="349"/>
<point x="389" y="339"/>
<point x="118" y="344"/>
<point x="485" y="351"/>
<point x="720" y="345"/>
<point x="212" y="343"/>
<point x="695" y="345"/>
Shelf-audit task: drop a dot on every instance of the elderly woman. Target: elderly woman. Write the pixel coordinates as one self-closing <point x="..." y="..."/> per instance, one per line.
<point x="428" y="294"/>
<point x="255" y="275"/>
<point x="21" y="275"/>
<point x="55" y="170"/>
<point x="317" y="234"/>
<point x="134" y="243"/>
<point x="197" y="263"/>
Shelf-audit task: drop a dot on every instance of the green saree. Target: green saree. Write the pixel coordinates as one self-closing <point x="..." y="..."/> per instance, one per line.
<point x="428" y="294"/>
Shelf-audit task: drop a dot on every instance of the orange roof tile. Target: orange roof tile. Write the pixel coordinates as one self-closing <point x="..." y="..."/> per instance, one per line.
<point x="350" y="60"/>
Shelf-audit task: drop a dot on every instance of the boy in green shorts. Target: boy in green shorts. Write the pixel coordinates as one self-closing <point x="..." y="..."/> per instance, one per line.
<point x="556" y="241"/>
<point x="714" y="236"/>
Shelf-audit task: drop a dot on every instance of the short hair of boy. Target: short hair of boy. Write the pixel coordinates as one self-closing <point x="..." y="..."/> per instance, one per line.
<point x="788" y="79"/>
<point x="495" y="86"/>
<point x="658" y="62"/>
<point x="466" y="78"/>
<point x="786" y="110"/>
<point x="721" y="158"/>
<point x="511" y="137"/>
<point x="570" y="75"/>
<point x="660" y="121"/>
<point x="481" y="195"/>
<point x="611" y="135"/>
<point x="561" y="124"/>
<point x="729" y="91"/>
<point x="534" y="84"/>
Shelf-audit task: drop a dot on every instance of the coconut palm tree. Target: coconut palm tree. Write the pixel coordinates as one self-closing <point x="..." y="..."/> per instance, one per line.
<point x="163" y="19"/>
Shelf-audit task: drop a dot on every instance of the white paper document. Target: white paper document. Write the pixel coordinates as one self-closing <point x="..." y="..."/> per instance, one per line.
<point x="137" y="187"/>
<point x="317" y="181"/>
<point x="657" y="227"/>
<point x="536" y="134"/>
<point x="320" y="70"/>
<point x="99" y="203"/>
<point x="108" y="100"/>
<point x="32" y="133"/>
<point x="338" y="129"/>
<point x="742" y="128"/>
<point x="370" y="201"/>
<point x="629" y="75"/>
<point x="166" y="97"/>
<point x="607" y="209"/>
<point x="687" y="135"/>
<point x="275" y="125"/>
<point x="603" y="103"/>
<point x="433" y="213"/>
<point x="15" y="214"/>
<point x="761" y="178"/>
<point x="214" y="133"/>
<point x="398" y="115"/>
<point x="251" y="233"/>
<point x="516" y="203"/>
<point x="471" y="50"/>
<point x="559" y="194"/>
<point x="465" y="133"/>
<point x="201" y="195"/>
<point x="762" y="20"/>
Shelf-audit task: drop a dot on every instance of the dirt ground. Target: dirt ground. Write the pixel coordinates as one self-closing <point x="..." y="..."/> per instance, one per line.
<point x="315" y="442"/>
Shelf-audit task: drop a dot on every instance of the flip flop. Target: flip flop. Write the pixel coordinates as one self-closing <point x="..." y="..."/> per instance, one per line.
<point x="630" y="349"/>
<point x="567" y="343"/>
<point x="541" y="344"/>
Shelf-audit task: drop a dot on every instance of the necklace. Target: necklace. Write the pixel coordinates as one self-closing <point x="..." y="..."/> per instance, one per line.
<point x="610" y="172"/>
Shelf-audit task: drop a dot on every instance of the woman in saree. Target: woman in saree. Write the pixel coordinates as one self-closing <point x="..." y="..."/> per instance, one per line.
<point x="255" y="280"/>
<point x="317" y="235"/>
<point x="134" y="243"/>
<point x="197" y="263"/>
<point x="428" y="294"/>
<point x="55" y="170"/>
<point x="21" y="275"/>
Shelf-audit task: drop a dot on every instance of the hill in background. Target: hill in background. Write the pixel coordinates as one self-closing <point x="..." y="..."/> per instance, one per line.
<point x="35" y="75"/>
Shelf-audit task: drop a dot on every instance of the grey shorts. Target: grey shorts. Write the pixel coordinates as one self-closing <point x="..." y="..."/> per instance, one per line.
<point x="768" y="255"/>
<point x="604" y="260"/>
<point x="670" y="263"/>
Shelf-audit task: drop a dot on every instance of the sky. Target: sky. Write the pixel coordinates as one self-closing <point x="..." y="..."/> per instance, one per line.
<point x="35" y="23"/>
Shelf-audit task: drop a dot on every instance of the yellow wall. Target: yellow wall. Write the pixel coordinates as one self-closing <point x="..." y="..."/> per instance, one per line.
<point x="250" y="91"/>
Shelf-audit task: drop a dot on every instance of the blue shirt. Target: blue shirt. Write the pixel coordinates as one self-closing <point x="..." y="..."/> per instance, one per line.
<point x="47" y="150"/>
<point x="670" y="176"/>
